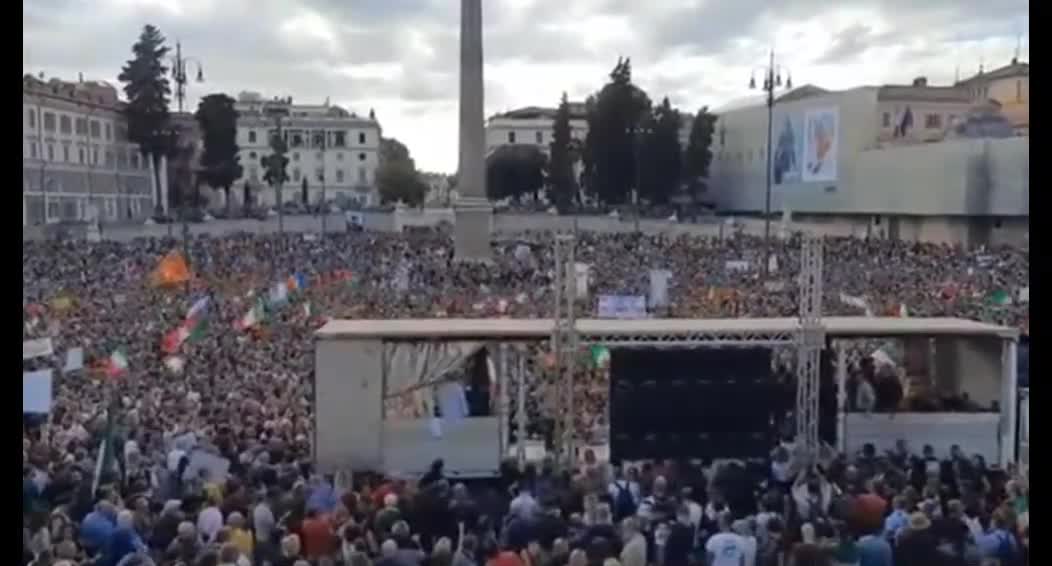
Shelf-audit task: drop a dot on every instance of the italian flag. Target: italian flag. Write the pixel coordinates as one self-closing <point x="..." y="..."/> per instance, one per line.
<point x="117" y="364"/>
<point x="252" y="318"/>
<point x="192" y="328"/>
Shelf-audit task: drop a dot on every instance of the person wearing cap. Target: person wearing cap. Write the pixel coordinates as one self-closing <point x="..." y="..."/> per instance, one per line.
<point x="916" y="545"/>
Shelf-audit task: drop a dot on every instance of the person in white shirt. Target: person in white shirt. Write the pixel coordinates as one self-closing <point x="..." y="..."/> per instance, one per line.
<point x="725" y="548"/>
<point x="744" y="530"/>
<point x="209" y="522"/>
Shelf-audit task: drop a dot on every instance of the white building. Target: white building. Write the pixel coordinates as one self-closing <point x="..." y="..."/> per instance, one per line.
<point x="333" y="151"/>
<point x="533" y="125"/>
<point x="77" y="162"/>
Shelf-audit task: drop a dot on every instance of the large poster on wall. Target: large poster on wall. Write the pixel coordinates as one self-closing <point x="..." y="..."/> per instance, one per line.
<point x="788" y="149"/>
<point x="821" y="132"/>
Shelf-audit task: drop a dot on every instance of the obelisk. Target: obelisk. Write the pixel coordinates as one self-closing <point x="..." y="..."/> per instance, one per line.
<point x="473" y="212"/>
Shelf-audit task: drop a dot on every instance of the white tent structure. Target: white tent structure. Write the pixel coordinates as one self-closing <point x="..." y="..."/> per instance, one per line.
<point x="359" y="363"/>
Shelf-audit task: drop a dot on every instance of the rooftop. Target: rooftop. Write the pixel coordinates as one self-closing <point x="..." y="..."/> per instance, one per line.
<point x="924" y="93"/>
<point x="1014" y="69"/>
<point x="578" y="111"/>
<point x="836" y="327"/>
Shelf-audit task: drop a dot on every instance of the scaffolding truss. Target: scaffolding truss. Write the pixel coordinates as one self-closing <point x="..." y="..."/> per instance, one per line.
<point x="810" y="342"/>
<point x="565" y="342"/>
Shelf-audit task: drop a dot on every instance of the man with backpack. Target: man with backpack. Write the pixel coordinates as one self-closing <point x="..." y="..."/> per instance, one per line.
<point x="624" y="494"/>
<point x="1001" y="542"/>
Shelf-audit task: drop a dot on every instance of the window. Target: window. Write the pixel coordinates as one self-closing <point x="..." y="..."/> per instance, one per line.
<point x="363" y="175"/>
<point x="317" y="140"/>
<point x="361" y="157"/>
<point x="511" y="137"/>
<point x="295" y="156"/>
<point x="50" y="152"/>
<point x="80" y="155"/>
<point x="109" y="132"/>
<point x="65" y="153"/>
<point x="134" y="158"/>
<point x="32" y="118"/>
<point x="49" y="121"/>
<point x="933" y="121"/>
<point x="80" y="125"/>
<point x="1018" y="95"/>
<point x="297" y="140"/>
<point x="122" y="159"/>
<point x="253" y="173"/>
<point x="109" y="158"/>
<point x="296" y="174"/>
<point x="885" y="121"/>
<point x="95" y="156"/>
<point x="339" y="176"/>
<point x="32" y="150"/>
<point x="65" y="125"/>
<point x="339" y="156"/>
<point x="319" y="174"/>
<point x="252" y="155"/>
<point x="251" y="136"/>
<point x="361" y="138"/>
<point x="319" y="156"/>
<point x="96" y="129"/>
<point x="540" y="137"/>
<point x="339" y="139"/>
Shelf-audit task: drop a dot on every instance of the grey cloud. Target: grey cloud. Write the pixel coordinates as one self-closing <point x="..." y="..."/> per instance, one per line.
<point x="847" y="44"/>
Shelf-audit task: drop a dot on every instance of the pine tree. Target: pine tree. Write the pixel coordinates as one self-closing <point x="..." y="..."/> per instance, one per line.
<point x="661" y="156"/>
<point x="698" y="156"/>
<point x="562" y="185"/>
<point x="613" y="124"/>
<point x="147" y="90"/>
<point x="220" y="161"/>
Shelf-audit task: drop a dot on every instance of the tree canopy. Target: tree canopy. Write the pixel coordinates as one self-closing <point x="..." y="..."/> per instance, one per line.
<point x="220" y="161"/>
<point x="513" y="171"/>
<point x="614" y="119"/>
<point x="698" y="156"/>
<point x="661" y="158"/>
<point x="562" y="184"/>
<point x="397" y="178"/>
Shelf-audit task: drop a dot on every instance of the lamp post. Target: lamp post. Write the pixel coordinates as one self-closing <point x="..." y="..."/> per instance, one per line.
<point x="638" y="134"/>
<point x="772" y="80"/>
<point x="278" y="110"/>
<point x="179" y="63"/>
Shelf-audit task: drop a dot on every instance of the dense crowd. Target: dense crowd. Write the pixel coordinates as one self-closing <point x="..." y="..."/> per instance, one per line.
<point x="243" y="393"/>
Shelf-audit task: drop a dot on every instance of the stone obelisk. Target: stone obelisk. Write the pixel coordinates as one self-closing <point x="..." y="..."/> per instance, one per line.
<point x="474" y="214"/>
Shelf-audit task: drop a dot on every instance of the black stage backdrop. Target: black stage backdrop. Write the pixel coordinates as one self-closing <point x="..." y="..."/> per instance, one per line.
<point x="694" y="403"/>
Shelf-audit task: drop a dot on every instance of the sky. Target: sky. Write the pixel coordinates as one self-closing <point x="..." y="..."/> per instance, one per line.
<point x="400" y="57"/>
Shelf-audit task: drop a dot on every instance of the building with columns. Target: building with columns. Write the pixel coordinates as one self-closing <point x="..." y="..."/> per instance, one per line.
<point x="331" y="151"/>
<point x="77" y="162"/>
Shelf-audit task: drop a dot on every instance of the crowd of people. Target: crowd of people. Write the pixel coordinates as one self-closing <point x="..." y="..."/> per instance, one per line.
<point x="240" y="390"/>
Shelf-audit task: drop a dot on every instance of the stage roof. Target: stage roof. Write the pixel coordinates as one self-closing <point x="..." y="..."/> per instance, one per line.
<point x="836" y="327"/>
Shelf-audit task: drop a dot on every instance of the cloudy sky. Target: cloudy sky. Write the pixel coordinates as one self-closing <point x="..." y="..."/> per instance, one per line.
<point x="400" y="56"/>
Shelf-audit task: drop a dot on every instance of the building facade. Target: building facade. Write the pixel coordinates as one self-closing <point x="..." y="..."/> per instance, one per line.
<point x="1009" y="87"/>
<point x="533" y="125"/>
<point x="331" y="151"/>
<point x="884" y="160"/>
<point x="77" y="162"/>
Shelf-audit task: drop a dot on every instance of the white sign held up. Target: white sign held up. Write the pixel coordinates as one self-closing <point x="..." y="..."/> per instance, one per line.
<point x="36" y="391"/>
<point x="622" y="306"/>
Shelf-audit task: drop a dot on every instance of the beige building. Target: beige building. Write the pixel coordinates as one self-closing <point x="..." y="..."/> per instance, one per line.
<point x="878" y="161"/>
<point x="77" y="162"/>
<point x="332" y="150"/>
<point x="1009" y="87"/>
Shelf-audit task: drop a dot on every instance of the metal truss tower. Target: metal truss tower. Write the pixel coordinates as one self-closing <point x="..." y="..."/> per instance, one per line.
<point x="564" y="345"/>
<point x="810" y="342"/>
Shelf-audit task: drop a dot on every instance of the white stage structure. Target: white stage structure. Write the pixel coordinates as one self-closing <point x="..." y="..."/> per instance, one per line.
<point x="358" y="361"/>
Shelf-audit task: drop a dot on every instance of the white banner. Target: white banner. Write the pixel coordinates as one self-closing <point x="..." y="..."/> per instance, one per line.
<point x="736" y="265"/>
<point x="582" y="278"/>
<point x="622" y="306"/>
<point x="1024" y="294"/>
<point x="36" y="391"/>
<point x="74" y="360"/>
<point x="37" y="348"/>
<point x="659" y="287"/>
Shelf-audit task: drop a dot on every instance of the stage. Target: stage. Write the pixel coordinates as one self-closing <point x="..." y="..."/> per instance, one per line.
<point x="357" y="362"/>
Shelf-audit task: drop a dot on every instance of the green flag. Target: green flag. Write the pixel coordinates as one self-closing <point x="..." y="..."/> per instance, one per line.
<point x="1000" y="298"/>
<point x="600" y="356"/>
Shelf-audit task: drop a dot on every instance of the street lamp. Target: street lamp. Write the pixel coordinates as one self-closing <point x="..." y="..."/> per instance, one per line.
<point x="179" y="74"/>
<point x="638" y="134"/>
<point x="772" y="80"/>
